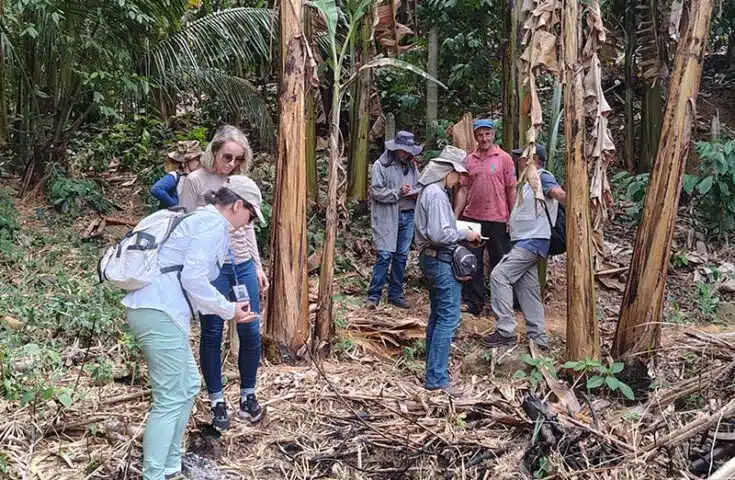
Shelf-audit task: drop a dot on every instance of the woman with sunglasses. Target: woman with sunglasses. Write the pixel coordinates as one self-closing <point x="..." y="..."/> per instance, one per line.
<point x="160" y="313"/>
<point x="229" y="154"/>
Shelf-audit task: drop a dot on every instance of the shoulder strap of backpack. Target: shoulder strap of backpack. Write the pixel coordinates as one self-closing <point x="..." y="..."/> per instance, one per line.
<point x="175" y="223"/>
<point x="548" y="217"/>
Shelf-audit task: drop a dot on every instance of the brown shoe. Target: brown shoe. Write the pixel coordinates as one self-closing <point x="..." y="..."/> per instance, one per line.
<point x="451" y="390"/>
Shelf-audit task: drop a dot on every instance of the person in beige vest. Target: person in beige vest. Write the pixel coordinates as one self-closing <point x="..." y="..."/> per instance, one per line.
<point x="229" y="154"/>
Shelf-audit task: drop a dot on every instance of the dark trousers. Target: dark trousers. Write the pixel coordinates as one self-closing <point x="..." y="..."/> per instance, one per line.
<point x="210" y="348"/>
<point x="497" y="245"/>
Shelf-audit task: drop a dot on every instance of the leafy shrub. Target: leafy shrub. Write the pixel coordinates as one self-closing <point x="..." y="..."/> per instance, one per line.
<point x="8" y="215"/>
<point x="70" y="195"/>
<point x="717" y="186"/>
<point x="630" y="189"/>
<point x="601" y="375"/>
<point x="136" y="144"/>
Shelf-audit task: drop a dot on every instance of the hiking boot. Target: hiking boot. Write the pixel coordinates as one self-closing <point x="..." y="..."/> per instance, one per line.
<point x="251" y="409"/>
<point x="467" y="309"/>
<point x="543" y="347"/>
<point x="175" y="476"/>
<point x="400" y="303"/>
<point x="371" y="303"/>
<point x="495" y="340"/>
<point x="220" y="419"/>
<point x="451" y="390"/>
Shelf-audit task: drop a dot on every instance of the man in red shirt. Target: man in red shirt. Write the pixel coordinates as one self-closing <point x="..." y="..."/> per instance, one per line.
<point x="486" y="196"/>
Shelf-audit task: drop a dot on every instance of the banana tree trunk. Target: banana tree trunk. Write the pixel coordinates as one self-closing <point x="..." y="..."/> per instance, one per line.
<point x="511" y="52"/>
<point x="288" y="300"/>
<point x="310" y="99"/>
<point x="652" y="107"/>
<point x="432" y="89"/>
<point x="324" y="327"/>
<point x="583" y="338"/>
<point x="639" y="329"/>
<point x="629" y="29"/>
<point x="360" y="116"/>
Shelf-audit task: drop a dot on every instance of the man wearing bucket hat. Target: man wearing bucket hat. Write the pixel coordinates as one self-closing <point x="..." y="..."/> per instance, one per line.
<point x="517" y="272"/>
<point x="393" y="190"/>
<point x="436" y="238"/>
<point x="185" y="157"/>
<point x="486" y="196"/>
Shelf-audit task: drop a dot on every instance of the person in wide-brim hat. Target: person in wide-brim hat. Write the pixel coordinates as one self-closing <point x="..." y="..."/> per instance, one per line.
<point x="182" y="160"/>
<point x="393" y="193"/>
<point x="436" y="238"/>
<point x="404" y="141"/>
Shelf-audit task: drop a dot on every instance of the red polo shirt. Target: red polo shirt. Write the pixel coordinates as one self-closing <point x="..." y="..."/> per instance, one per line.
<point x="491" y="185"/>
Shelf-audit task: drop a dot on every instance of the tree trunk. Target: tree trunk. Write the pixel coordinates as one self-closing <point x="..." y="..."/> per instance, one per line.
<point x="288" y="299"/>
<point x="360" y="116"/>
<point x="583" y="338"/>
<point x="310" y="102"/>
<point x="629" y="29"/>
<point x="3" y="92"/>
<point x="652" y="106"/>
<point x="510" y="97"/>
<point x="324" y="327"/>
<point x="432" y="101"/>
<point x="639" y="329"/>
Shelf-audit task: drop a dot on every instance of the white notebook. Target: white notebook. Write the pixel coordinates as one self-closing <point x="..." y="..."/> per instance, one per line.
<point x="475" y="227"/>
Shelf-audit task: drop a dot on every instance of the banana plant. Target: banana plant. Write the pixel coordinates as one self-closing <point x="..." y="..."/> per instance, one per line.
<point x="339" y="21"/>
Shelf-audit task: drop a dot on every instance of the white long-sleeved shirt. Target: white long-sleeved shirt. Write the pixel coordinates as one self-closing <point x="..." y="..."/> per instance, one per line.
<point x="200" y="244"/>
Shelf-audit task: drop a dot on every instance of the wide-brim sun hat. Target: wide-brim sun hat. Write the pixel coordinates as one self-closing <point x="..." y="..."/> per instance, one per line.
<point x="185" y="150"/>
<point x="404" y="141"/>
<point x="453" y="156"/>
<point x="248" y="190"/>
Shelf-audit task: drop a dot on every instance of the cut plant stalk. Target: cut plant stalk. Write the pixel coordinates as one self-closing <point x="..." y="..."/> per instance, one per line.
<point x="583" y="337"/>
<point x="287" y="321"/>
<point x="638" y="332"/>
<point x="360" y="114"/>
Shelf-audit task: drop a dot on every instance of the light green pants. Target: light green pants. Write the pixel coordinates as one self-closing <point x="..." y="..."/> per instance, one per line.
<point x="175" y="381"/>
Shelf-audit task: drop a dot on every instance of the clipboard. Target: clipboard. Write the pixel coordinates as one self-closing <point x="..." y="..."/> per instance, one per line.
<point x="472" y="226"/>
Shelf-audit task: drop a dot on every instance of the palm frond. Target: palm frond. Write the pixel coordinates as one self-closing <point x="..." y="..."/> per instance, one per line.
<point x="240" y="97"/>
<point x="240" y="36"/>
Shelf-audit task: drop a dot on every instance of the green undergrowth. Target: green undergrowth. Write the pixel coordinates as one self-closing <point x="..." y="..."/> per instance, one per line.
<point x="52" y="308"/>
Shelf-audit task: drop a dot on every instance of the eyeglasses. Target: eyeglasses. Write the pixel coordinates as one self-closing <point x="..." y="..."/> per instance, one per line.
<point x="251" y="209"/>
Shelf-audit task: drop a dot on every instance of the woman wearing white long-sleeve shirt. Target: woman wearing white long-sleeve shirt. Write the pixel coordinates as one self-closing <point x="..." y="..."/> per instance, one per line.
<point x="160" y="314"/>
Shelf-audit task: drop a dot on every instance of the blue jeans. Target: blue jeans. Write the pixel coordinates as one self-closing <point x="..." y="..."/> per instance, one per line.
<point x="445" y="293"/>
<point x="395" y="261"/>
<point x="210" y="348"/>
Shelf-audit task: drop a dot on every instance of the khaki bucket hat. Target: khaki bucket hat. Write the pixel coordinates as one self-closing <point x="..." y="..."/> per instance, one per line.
<point x="185" y="150"/>
<point x="454" y="156"/>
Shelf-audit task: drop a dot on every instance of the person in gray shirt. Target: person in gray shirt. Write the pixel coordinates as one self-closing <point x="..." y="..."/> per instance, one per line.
<point x="436" y="238"/>
<point x="393" y="191"/>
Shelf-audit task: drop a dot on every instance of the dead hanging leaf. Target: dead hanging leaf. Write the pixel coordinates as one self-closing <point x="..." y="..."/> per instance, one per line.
<point x="388" y="32"/>
<point x="461" y="133"/>
<point x="542" y="52"/>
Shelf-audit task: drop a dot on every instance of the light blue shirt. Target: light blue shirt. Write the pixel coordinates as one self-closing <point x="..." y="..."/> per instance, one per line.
<point x="200" y="243"/>
<point x="540" y="246"/>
